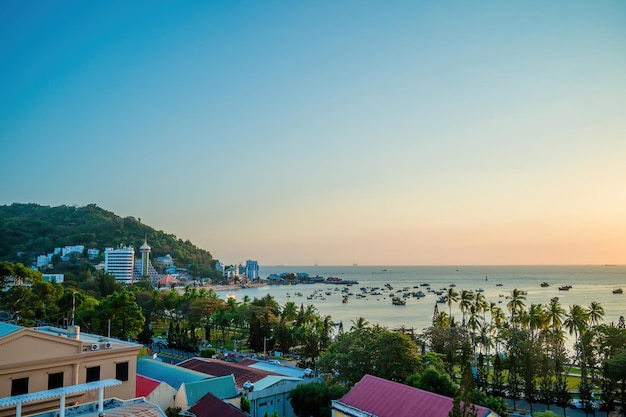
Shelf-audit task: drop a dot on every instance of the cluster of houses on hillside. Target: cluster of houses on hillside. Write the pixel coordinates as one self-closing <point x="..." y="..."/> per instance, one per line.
<point x="122" y="263"/>
<point x="57" y="372"/>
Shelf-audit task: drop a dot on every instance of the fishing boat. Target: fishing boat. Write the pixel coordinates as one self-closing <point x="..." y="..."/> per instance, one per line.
<point x="618" y="291"/>
<point x="545" y="284"/>
<point x="397" y="301"/>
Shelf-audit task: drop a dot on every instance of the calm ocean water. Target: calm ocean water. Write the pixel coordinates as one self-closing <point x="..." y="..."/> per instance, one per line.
<point x="589" y="283"/>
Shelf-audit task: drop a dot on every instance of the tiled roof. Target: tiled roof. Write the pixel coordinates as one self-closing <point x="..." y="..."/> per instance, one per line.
<point x="210" y="406"/>
<point x="390" y="399"/>
<point x="170" y="374"/>
<point x="222" y="368"/>
<point x="145" y="386"/>
<point x="168" y="279"/>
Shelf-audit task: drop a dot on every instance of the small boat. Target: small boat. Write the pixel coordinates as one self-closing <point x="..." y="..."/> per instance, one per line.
<point x="555" y="299"/>
<point x="618" y="291"/>
<point x="397" y="301"/>
<point x="498" y="285"/>
<point x="565" y="287"/>
<point x="545" y="284"/>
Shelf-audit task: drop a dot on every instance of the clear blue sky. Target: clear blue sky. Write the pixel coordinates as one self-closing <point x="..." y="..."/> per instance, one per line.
<point x="331" y="132"/>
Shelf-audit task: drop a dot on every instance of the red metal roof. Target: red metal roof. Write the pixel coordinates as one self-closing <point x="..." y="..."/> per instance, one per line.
<point x="145" y="386"/>
<point x="211" y="406"/>
<point x="222" y="368"/>
<point x="390" y="399"/>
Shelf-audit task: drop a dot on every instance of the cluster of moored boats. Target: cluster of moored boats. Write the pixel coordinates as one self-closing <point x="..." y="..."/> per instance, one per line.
<point x="400" y="296"/>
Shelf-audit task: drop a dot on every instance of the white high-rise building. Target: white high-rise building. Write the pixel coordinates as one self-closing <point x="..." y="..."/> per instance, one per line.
<point x="120" y="263"/>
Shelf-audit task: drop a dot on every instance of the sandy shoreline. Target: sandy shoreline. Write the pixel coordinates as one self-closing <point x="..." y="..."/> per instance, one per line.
<point x="233" y="287"/>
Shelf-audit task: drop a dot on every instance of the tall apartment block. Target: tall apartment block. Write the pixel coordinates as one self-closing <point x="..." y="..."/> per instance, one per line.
<point x="120" y="263"/>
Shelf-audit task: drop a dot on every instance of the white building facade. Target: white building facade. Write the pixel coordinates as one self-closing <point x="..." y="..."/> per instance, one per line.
<point x="120" y="263"/>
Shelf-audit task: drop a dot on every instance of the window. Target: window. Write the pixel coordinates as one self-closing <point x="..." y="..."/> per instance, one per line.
<point x="55" y="380"/>
<point x="93" y="374"/>
<point x="121" y="371"/>
<point x="19" y="386"/>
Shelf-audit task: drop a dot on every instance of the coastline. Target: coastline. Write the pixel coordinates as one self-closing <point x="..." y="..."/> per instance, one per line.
<point x="234" y="287"/>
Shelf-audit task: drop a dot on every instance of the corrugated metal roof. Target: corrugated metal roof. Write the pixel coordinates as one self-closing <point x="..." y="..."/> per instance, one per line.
<point x="278" y="369"/>
<point x="390" y="399"/>
<point x="222" y="387"/>
<point x="268" y="381"/>
<point x="170" y="374"/>
<point x="145" y="386"/>
<point x="7" y="328"/>
<point x="57" y="392"/>
<point x="222" y="368"/>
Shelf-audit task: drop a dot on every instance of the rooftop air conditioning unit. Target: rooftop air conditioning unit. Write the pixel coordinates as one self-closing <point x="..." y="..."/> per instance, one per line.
<point x="95" y="346"/>
<point x="107" y="345"/>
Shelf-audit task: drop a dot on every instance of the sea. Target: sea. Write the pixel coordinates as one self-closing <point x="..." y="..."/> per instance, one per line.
<point x="588" y="284"/>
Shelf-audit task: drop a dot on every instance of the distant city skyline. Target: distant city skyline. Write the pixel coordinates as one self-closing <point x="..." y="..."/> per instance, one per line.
<point x="376" y="133"/>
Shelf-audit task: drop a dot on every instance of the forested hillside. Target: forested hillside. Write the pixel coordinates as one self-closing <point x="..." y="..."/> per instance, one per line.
<point x="29" y="230"/>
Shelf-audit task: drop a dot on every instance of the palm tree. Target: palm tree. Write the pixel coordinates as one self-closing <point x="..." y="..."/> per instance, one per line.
<point x="359" y="324"/>
<point x="467" y="297"/>
<point x="451" y="296"/>
<point x="537" y="319"/>
<point x="577" y="322"/>
<point x="515" y="304"/>
<point x="596" y="313"/>
<point x="289" y="311"/>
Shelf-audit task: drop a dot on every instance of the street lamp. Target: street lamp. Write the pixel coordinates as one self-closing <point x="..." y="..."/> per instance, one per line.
<point x="265" y="339"/>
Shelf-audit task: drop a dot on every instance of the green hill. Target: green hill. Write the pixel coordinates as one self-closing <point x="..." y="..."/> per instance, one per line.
<point x="29" y="230"/>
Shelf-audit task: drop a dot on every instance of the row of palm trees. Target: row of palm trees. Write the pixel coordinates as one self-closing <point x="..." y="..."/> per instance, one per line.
<point x="487" y="326"/>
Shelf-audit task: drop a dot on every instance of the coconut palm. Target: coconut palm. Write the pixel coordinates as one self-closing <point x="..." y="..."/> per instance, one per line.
<point x="577" y="322"/>
<point x="515" y="304"/>
<point x="537" y="319"/>
<point x="467" y="298"/>
<point x="289" y="311"/>
<point x="451" y="296"/>
<point x="596" y="313"/>
<point x="359" y="324"/>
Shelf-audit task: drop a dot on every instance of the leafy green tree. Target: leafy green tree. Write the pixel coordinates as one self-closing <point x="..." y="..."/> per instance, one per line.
<point x="123" y="312"/>
<point x="314" y="399"/>
<point x="244" y="404"/>
<point x="17" y="273"/>
<point x="375" y="351"/>
<point x="433" y="380"/>
<point x="46" y="297"/>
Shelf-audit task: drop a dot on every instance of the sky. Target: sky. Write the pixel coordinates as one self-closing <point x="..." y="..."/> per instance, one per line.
<point x="328" y="132"/>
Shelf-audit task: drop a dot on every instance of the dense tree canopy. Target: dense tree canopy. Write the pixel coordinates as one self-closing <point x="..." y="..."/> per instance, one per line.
<point x="29" y="230"/>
